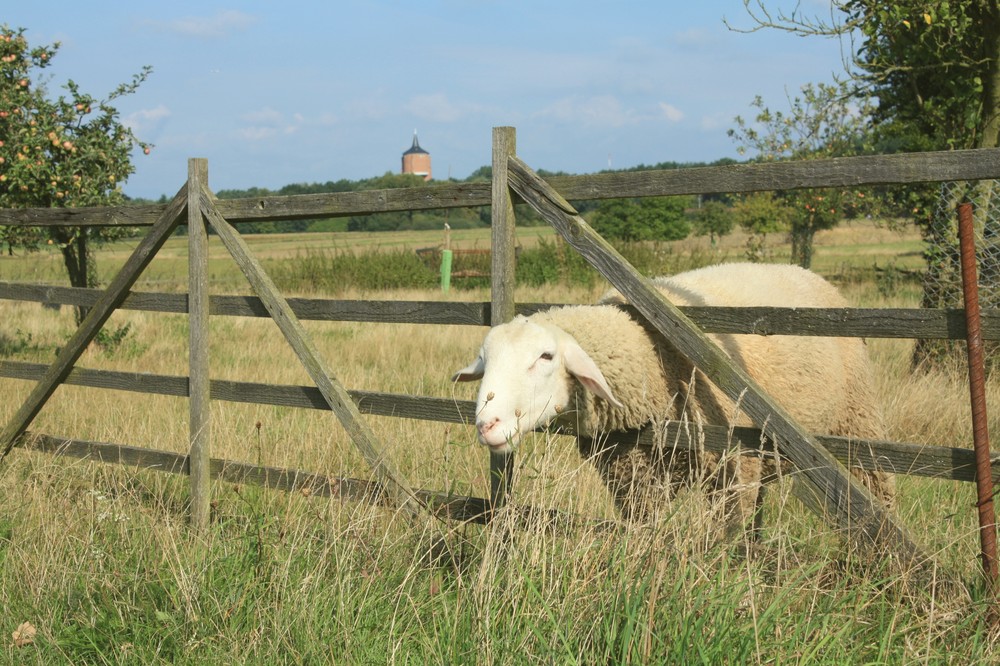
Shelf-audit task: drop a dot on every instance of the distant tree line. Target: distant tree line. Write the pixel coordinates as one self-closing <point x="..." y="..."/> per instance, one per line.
<point x="660" y="218"/>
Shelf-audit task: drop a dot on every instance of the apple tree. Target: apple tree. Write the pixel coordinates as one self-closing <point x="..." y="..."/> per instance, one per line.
<point x="932" y="68"/>
<point x="824" y="120"/>
<point x="713" y="219"/>
<point x="760" y="214"/>
<point x="70" y="150"/>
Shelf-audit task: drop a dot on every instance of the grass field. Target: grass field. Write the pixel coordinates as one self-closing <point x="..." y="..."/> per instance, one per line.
<point x="856" y="244"/>
<point x="99" y="560"/>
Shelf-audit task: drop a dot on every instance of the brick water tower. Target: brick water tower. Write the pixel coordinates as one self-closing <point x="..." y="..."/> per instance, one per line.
<point x="416" y="160"/>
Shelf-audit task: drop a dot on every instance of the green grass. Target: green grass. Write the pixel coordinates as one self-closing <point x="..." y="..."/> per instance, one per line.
<point x="856" y="245"/>
<point x="288" y="579"/>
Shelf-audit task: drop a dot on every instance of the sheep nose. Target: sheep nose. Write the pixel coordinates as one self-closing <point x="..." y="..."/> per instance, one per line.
<point x="486" y="426"/>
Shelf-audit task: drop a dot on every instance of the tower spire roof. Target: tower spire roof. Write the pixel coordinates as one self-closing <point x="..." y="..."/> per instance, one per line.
<point x="415" y="148"/>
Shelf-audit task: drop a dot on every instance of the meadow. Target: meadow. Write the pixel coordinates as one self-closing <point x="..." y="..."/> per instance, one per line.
<point x="102" y="564"/>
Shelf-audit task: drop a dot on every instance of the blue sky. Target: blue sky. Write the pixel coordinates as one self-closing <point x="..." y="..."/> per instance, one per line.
<point x="277" y="93"/>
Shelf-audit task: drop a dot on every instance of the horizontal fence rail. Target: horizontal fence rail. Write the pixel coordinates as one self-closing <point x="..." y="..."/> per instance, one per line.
<point x="449" y="505"/>
<point x="977" y="164"/>
<point x="456" y="507"/>
<point x="926" y="323"/>
<point x="445" y="410"/>
<point x="913" y="459"/>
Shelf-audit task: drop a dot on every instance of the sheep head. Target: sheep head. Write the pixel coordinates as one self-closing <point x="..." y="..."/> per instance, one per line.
<point x="527" y="371"/>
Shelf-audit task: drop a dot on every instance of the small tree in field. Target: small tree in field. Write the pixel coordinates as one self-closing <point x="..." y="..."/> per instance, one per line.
<point x="659" y="218"/>
<point x="760" y="214"/>
<point x="824" y="121"/>
<point x="714" y="220"/>
<point x="68" y="151"/>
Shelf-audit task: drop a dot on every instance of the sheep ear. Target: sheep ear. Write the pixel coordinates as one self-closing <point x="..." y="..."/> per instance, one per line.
<point x="471" y="372"/>
<point x="580" y="365"/>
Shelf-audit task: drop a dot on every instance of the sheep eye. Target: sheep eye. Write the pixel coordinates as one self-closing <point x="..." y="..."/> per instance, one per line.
<point x="543" y="357"/>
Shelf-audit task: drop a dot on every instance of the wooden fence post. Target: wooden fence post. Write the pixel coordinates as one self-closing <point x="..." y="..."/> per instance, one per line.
<point x="502" y="280"/>
<point x="199" y="405"/>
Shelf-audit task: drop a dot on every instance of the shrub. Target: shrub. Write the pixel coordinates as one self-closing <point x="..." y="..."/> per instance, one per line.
<point x="659" y="218"/>
<point x="550" y="262"/>
<point x="333" y="272"/>
<point x="553" y="262"/>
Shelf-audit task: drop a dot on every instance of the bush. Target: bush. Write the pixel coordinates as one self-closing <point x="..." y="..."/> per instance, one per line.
<point x="553" y="262"/>
<point x="334" y="272"/>
<point x="550" y="262"/>
<point x="655" y="219"/>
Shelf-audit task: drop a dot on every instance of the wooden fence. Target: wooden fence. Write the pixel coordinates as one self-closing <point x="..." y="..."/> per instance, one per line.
<point x="824" y="486"/>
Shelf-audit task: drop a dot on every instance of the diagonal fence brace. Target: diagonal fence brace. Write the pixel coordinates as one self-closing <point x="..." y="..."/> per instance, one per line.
<point x="332" y="390"/>
<point x="113" y="296"/>
<point x="822" y="483"/>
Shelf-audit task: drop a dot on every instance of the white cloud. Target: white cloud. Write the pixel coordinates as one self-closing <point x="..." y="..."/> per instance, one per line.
<point x="267" y="123"/>
<point x="256" y="133"/>
<point x="436" y="107"/>
<point x="366" y="107"/>
<point x="671" y="112"/>
<point x="327" y="119"/>
<point x="266" y="116"/>
<point x="145" y="120"/>
<point x="599" y="111"/>
<point x="207" y="27"/>
<point x="714" y="121"/>
<point x="694" y="38"/>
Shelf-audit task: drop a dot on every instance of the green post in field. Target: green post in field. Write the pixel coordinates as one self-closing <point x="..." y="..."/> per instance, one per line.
<point x="445" y="270"/>
<point x="446" y="260"/>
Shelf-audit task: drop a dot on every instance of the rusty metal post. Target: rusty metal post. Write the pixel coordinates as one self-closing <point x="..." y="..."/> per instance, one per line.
<point x="977" y="393"/>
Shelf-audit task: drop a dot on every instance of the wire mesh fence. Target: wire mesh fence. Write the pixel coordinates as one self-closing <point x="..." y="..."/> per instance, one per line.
<point x="942" y="281"/>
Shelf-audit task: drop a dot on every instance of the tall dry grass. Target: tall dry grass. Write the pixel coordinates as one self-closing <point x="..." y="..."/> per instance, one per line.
<point x="101" y="562"/>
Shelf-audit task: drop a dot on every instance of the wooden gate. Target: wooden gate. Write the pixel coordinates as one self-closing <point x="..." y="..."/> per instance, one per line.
<point x="822" y="482"/>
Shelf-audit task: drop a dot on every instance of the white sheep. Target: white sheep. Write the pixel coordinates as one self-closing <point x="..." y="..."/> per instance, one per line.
<point x="594" y="367"/>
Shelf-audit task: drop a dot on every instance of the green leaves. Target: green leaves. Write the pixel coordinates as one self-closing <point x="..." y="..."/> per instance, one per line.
<point x="70" y="150"/>
<point x="824" y="120"/>
<point x="660" y="218"/>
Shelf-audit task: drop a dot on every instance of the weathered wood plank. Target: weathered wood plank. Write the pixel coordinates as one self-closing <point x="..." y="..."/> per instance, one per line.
<point x="333" y="392"/>
<point x="502" y="263"/>
<point x="199" y="400"/>
<point x="96" y="216"/>
<point x="931" y="324"/>
<point x="928" y="461"/>
<point x="134" y="382"/>
<point x="822" y="483"/>
<point x="446" y="505"/>
<point x="99" y="314"/>
<point x="932" y="461"/>
<point x="269" y="208"/>
<point x="917" y="460"/>
<point x="454" y="507"/>
<point x="502" y="228"/>
<point x="445" y="410"/>
<point x="978" y="164"/>
<point x="386" y="312"/>
<point x="841" y="322"/>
